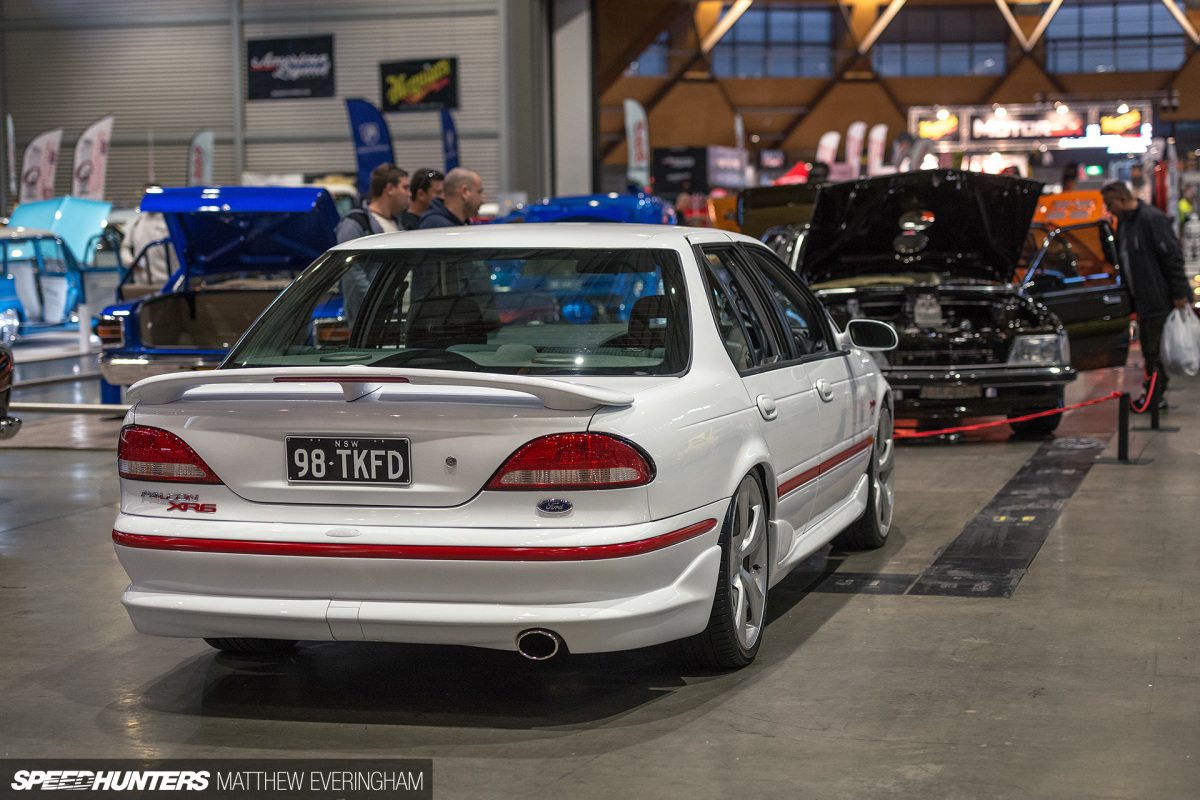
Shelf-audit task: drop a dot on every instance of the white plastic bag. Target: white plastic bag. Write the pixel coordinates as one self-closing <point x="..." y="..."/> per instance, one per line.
<point x="1181" y="342"/>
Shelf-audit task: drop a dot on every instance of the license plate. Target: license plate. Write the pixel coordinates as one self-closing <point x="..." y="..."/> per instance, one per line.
<point x="953" y="392"/>
<point x="348" y="460"/>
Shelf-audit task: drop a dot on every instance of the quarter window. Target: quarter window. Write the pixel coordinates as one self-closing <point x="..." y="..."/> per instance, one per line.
<point x="804" y="315"/>
<point x="746" y="337"/>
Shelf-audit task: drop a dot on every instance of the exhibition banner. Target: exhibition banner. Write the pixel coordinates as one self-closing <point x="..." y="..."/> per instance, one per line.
<point x="91" y="160"/>
<point x="854" y="148"/>
<point x="449" y="141"/>
<point x="827" y="147"/>
<point x="372" y="140"/>
<point x="1116" y="123"/>
<point x="1048" y="124"/>
<point x="38" y="167"/>
<point x="281" y="69"/>
<point x="637" y="143"/>
<point x="421" y="85"/>
<point x="200" y="159"/>
<point x="937" y="129"/>
<point x="876" y="143"/>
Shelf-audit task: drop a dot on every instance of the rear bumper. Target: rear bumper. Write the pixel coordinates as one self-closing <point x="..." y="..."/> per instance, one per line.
<point x="596" y="604"/>
<point x="976" y="391"/>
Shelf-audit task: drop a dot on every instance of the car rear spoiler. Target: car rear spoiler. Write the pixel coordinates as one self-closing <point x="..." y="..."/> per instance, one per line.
<point x="357" y="383"/>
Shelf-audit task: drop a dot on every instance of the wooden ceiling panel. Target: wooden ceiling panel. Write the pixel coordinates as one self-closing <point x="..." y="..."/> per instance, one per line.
<point x="842" y="105"/>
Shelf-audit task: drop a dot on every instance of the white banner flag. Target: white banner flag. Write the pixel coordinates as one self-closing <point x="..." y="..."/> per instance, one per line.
<point x="827" y="147"/>
<point x="91" y="160"/>
<point x="200" y="159"/>
<point x="38" y="167"/>
<point x="876" y="142"/>
<point x="637" y="142"/>
<point x="854" y="147"/>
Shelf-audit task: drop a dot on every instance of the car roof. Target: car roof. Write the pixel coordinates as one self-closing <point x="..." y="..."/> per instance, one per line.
<point x="544" y="234"/>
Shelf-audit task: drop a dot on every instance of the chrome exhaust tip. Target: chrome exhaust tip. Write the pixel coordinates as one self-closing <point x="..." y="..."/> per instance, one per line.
<point x="538" y="644"/>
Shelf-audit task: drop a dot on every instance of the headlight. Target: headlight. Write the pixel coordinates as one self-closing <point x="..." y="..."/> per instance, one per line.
<point x="1050" y="349"/>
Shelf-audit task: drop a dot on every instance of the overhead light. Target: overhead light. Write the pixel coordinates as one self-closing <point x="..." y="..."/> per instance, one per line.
<point x="942" y="113"/>
<point x="1001" y="112"/>
<point x="1062" y="109"/>
<point x="1123" y="108"/>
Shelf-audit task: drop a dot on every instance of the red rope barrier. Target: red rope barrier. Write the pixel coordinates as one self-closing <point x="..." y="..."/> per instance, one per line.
<point x="905" y="434"/>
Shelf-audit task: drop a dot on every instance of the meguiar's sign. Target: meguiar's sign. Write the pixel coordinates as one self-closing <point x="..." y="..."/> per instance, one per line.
<point x="420" y="85"/>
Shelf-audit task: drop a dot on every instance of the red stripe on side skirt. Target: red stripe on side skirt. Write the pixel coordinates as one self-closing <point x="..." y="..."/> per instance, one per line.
<point x="791" y="485"/>
<point x="416" y="552"/>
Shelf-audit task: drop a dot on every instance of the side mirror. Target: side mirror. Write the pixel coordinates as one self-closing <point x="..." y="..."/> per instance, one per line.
<point x="871" y="334"/>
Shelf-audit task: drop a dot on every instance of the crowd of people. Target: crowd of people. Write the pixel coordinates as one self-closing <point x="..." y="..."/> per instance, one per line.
<point x="428" y="199"/>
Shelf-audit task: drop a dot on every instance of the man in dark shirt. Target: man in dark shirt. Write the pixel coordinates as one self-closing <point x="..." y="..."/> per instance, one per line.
<point x="464" y="195"/>
<point x="1153" y="265"/>
<point x="426" y="185"/>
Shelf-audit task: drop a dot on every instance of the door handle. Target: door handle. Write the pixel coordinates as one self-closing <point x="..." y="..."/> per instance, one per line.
<point x="824" y="390"/>
<point x="1112" y="299"/>
<point x="766" y="407"/>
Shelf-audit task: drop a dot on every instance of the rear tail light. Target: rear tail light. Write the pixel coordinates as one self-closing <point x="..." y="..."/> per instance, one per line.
<point x="574" y="461"/>
<point x="111" y="331"/>
<point x="151" y="454"/>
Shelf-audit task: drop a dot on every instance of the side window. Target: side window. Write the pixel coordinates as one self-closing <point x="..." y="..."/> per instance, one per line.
<point x="803" y="314"/>
<point x="1090" y="257"/>
<point x="1058" y="264"/>
<point x="746" y="337"/>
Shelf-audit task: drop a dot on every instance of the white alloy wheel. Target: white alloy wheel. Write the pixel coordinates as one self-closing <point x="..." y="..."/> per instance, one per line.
<point x="739" y="610"/>
<point x="748" y="564"/>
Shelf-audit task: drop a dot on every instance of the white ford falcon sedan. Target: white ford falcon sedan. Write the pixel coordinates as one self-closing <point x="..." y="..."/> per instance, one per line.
<point x="542" y="438"/>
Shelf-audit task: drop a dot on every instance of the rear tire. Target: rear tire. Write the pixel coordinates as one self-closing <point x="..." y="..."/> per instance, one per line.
<point x="870" y="531"/>
<point x="260" y="647"/>
<point x="739" y="610"/>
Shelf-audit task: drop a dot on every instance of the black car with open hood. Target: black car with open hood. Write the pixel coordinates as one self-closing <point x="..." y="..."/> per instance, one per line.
<point x="987" y="323"/>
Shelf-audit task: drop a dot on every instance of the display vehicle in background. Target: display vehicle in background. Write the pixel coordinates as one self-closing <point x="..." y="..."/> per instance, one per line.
<point x="994" y="316"/>
<point x="443" y="475"/>
<point x="8" y="425"/>
<point x="611" y="207"/>
<point x="237" y="248"/>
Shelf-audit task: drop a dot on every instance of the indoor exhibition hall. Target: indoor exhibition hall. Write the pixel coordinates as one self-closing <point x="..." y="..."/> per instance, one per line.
<point x="595" y="398"/>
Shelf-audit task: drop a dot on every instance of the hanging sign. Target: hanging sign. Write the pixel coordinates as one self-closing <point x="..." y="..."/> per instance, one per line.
<point x="422" y="85"/>
<point x="281" y="69"/>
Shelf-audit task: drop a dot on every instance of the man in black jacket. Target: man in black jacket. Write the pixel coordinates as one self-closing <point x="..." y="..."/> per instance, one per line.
<point x="463" y="190"/>
<point x="1154" y="268"/>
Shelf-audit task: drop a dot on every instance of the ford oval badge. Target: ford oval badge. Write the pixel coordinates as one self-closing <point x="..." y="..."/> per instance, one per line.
<point x="555" y="506"/>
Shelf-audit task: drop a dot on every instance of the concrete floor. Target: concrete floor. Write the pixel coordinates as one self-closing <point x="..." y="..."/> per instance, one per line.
<point x="1085" y="683"/>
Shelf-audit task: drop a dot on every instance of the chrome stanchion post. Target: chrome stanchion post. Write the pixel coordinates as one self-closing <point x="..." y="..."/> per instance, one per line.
<point x="85" y="327"/>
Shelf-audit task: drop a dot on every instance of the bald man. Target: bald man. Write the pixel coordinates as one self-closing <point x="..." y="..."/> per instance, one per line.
<point x="463" y="191"/>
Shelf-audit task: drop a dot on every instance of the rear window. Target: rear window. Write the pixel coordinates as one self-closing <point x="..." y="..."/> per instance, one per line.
<point x="529" y="312"/>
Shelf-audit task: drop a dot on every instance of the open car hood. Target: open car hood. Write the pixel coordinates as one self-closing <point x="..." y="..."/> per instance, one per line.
<point x="73" y="219"/>
<point x="958" y="225"/>
<point x="236" y="228"/>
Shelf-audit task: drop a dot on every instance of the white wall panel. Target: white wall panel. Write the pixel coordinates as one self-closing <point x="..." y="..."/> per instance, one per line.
<point x="174" y="81"/>
<point x="168" y="66"/>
